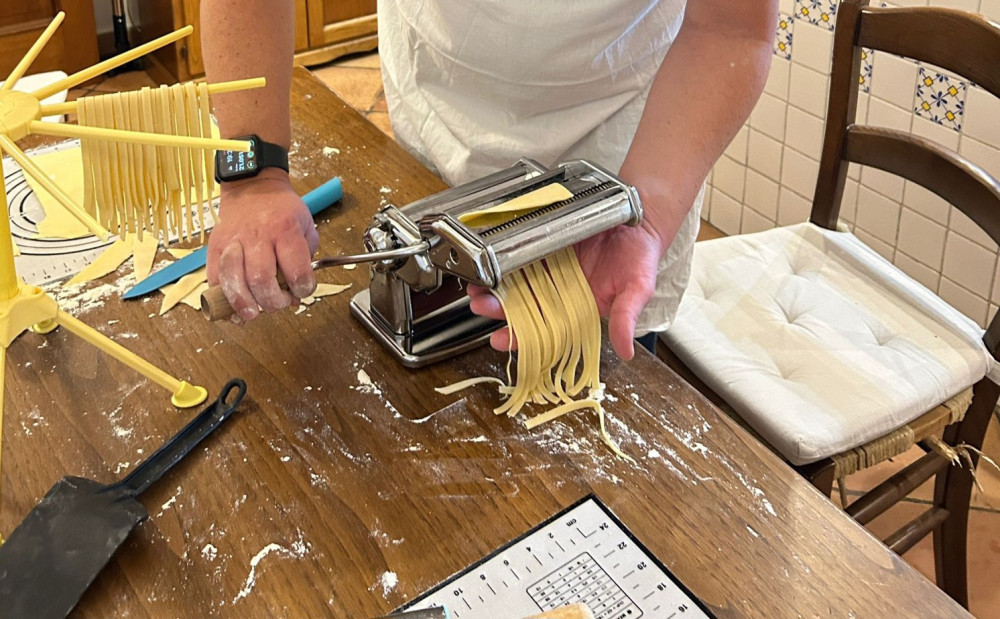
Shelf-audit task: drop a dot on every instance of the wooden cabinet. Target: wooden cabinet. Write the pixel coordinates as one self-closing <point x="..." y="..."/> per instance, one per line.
<point x="338" y="27"/>
<point x="324" y="30"/>
<point x="73" y="47"/>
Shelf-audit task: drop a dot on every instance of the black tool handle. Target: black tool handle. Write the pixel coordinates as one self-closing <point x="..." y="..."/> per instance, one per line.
<point x="184" y="441"/>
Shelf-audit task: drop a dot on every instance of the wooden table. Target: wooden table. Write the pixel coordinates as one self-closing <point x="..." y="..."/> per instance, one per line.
<point x="350" y="483"/>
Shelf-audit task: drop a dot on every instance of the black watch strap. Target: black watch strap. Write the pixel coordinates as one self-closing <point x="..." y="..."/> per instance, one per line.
<point x="271" y="155"/>
<point x="235" y="165"/>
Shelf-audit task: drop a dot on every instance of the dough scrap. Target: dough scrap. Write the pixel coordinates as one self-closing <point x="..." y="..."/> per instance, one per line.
<point x="469" y="382"/>
<point x="525" y="203"/>
<point x="193" y="298"/>
<point x="322" y="290"/>
<point x="112" y="258"/>
<point x="143" y="255"/>
<point x="180" y="253"/>
<point x="325" y="290"/>
<point x="174" y="293"/>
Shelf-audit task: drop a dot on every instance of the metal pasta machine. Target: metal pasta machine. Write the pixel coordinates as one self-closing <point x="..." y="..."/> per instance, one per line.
<point x="417" y="305"/>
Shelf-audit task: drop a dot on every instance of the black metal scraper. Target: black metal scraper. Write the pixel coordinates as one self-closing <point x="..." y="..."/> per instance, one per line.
<point x="51" y="558"/>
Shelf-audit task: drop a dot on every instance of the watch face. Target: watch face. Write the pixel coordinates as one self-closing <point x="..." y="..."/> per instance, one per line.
<point x="232" y="165"/>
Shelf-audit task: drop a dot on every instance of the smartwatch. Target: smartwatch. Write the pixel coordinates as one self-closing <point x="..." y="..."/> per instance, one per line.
<point x="232" y="165"/>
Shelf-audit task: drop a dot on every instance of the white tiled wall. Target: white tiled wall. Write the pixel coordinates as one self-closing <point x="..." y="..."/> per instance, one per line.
<point x="767" y="176"/>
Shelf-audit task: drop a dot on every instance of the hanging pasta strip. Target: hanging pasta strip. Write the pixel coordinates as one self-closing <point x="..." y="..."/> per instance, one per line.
<point x="515" y="400"/>
<point x="541" y="388"/>
<point x="103" y="174"/>
<point x="205" y="113"/>
<point x="123" y="111"/>
<point x="171" y="170"/>
<point x="575" y="321"/>
<point x="551" y="312"/>
<point x="176" y="210"/>
<point x="114" y="165"/>
<point x="568" y="324"/>
<point x="553" y="317"/>
<point x="137" y="203"/>
<point x="83" y="114"/>
<point x="197" y="160"/>
<point x="143" y="169"/>
<point x="544" y="391"/>
<point x="182" y="125"/>
<point x="521" y="328"/>
<point x="570" y="267"/>
<point x="531" y="314"/>
<point x="125" y="196"/>
<point x="153" y="175"/>
<point x="151" y="114"/>
<point x="127" y="168"/>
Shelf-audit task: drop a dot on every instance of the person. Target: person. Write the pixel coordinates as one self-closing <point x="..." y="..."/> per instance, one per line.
<point x="653" y="89"/>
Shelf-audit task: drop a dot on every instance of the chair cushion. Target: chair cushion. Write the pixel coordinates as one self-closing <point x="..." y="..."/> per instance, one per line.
<point x="819" y="343"/>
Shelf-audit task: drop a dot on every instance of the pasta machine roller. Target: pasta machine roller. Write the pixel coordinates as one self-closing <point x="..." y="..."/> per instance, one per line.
<point x="417" y="304"/>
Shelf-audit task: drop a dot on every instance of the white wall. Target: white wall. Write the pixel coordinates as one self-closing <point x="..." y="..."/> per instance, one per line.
<point x="767" y="176"/>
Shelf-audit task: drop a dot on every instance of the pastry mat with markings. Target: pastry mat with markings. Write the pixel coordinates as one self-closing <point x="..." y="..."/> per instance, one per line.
<point x="583" y="554"/>
<point x="44" y="260"/>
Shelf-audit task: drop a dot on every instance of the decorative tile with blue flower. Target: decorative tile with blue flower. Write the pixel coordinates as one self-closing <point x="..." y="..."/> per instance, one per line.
<point x="941" y="98"/>
<point x="867" y="68"/>
<point x="783" y="37"/>
<point x="818" y="12"/>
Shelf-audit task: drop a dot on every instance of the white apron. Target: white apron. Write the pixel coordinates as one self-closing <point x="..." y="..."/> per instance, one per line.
<point x="473" y="85"/>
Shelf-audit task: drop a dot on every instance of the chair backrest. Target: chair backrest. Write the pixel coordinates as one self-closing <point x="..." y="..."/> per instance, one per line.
<point x="964" y="43"/>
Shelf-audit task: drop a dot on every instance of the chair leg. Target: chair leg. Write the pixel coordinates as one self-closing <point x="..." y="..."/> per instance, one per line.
<point x="819" y="474"/>
<point x="951" y="538"/>
<point x="953" y="492"/>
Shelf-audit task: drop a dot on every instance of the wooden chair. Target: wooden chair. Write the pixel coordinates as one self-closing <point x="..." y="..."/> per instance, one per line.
<point x="725" y="339"/>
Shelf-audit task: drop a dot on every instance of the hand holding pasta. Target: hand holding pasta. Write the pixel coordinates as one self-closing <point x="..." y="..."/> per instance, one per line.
<point x="621" y="267"/>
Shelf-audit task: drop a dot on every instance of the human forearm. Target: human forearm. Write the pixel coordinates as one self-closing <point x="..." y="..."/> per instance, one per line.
<point x="264" y="227"/>
<point x="704" y="91"/>
<point x="250" y="38"/>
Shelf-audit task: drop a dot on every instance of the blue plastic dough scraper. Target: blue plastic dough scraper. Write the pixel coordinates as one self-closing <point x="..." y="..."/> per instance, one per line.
<point x="316" y="200"/>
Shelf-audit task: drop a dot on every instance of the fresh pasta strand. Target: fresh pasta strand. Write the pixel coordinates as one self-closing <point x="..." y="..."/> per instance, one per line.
<point x="197" y="161"/>
<point x="205" y="114"/>
<point x="552" y="313"/>
<point x="146" y="189"/>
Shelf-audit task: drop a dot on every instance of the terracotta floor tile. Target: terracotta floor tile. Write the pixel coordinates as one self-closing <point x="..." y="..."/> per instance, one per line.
<point x="380" y="104"/>
<point x="381" y="120"/>
<point x="989" y="477"/>
<point x="984" y="554"/>
<point x="865" y="480"/>
<point x="707" y="232"/>
<point x="366" y="60"/>
<point x="360" y="88"/>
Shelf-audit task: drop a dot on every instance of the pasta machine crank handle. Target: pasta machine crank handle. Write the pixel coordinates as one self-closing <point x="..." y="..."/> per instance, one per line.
<point x="215" y="306"/>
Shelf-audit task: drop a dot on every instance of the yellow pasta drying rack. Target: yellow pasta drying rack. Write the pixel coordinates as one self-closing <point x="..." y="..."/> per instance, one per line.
<point x="23" y="306"/>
